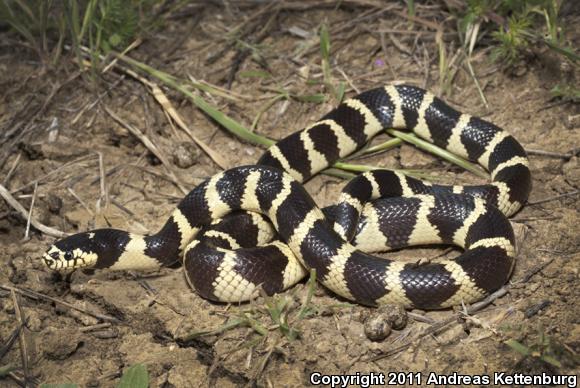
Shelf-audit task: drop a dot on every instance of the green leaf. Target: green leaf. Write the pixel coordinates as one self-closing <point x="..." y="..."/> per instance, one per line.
<point x="135" y="376"/>
<point x="5" y="369"/>
<point x="551" y="360"/>
<point x="324" y="42"/>
<point x="438" y="151"/>
<point x="340" y="92"/>
<point x="316" y="98"/>
<point x="518" y="347"/>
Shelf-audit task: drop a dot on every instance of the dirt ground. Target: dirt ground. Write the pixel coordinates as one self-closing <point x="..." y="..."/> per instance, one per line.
<point x="86" y="170"/>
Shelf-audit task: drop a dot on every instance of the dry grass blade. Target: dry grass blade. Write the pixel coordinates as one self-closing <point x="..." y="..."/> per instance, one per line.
<point x="150" y="146"/>
<point x="165" y="104"/>
<point x="231" y="125"/>
<point x="38" y="295"/>
<point x="441" y="324"/>
<point x="21" y="339"/>
<point x="4" y="193"/>
<point x="27" y="232"/>
<point x="168" y="107"/>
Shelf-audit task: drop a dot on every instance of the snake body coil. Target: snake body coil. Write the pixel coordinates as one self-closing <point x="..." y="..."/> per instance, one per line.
<point x="227" y="260"/>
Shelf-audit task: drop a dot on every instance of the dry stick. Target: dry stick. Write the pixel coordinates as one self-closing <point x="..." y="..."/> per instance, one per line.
<point x="210" y="152"/>
<point x="4" y="193"/>
<point x="83" y="204"/>
<point x="7" y="345"/>
<point x="550" y="154"/>
<point x="49" y="174"/>
<point x="11" y="171"/>
<point x="467" y="311"/>
<point x="439" y="325"/>
<point x="569" y="194"/>
<point x="534" y="271"/>
<point x="21" y="339"/>
<point x="26" y="237"/>
<point x="150" y="146"/>
<point x="97" y="100"/>
<point x="98" y="326"/>
<point x="39" y="112"/>
<point x="36" y="295"/>
<point x="104" y="197"/>
<point x="166" y="105"/>
<point x="172" y="112"/>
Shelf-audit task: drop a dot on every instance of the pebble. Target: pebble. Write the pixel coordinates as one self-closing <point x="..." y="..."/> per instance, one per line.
<point x="377" y="328"/>
<point x="33" y="321"/>
<point x="379" y="323"/>
<point x="54" y="203"/>
<point x="60" y="344"/>
<point x="186" y="155"/>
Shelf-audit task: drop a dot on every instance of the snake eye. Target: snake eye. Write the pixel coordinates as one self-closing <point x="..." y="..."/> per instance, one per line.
<point x="68" y="256"/>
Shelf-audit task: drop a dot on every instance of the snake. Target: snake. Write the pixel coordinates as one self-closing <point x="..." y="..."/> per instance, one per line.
<point x="219" y="233"/>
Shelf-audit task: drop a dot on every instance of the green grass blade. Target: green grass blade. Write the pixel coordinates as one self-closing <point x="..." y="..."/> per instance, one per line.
<point x="518" y="347"/>
<point x="5" y="369"/>
<point x="135" y="377"/>
<point x="311" y="288"/>
<point x="433" y="149"/>
<point x="231" y="125"/>
<point x="315" y="98"/>
<point x="389" y="144"/>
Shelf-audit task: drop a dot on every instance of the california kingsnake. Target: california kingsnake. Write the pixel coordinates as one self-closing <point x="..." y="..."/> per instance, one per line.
<point x="226" y="264"/>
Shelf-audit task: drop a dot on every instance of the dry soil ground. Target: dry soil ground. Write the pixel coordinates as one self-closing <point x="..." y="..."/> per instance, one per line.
<point x="60" y="146"/>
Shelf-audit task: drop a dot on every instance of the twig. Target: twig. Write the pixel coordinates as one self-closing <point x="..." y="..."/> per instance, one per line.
<point x="21" y="339"/>
<point x="420" y="318"/>
<point x="26" y="237"/>
<point x="568" y="194"/>
<point x="97" y="100"/>
<point x="534" y="271"/>
<point x="83" y="204"/>
<point x="441" y="324"/>
<point x="150" y="146"/>
<point x="550" y="154"/>
<point x="18" y="207"/>
<point x="36" y="295"/>
<point x="476" y="81"/>
<point x="49" y="174"/>
<point x="11" y="171"/>
<point x="172" y="112"/>
<point x="156" y="91"/>
<point x="98" y="326"/>
<point x="104" y="198"/>
<point x="10" y="340"/>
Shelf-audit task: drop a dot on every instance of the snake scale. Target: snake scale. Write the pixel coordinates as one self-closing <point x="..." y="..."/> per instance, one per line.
<point x="228" y="253"/>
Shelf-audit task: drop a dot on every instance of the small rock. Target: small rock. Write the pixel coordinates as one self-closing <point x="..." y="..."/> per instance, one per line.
<point x="106" y="334"/>
<point x="379" y="323"/>
<point x="54" y="203"/>
<point x="397" y="316"/>
<point x="33" y="321"/>
<point x="8" y="306"/>
<point x="186" y="155"/>
<point x="60" y="344"/>
<point x="377" y="328"/>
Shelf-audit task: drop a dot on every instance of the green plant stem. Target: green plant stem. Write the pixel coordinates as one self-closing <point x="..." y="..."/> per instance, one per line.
<point x="433" y="149"/>
<point x="230" y="124"/>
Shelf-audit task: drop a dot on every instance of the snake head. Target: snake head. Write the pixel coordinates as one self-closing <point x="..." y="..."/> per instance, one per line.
<point x="81" y="250"/>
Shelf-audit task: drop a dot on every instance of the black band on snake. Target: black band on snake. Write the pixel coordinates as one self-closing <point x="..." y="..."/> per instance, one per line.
<point x="228" y="260"/>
